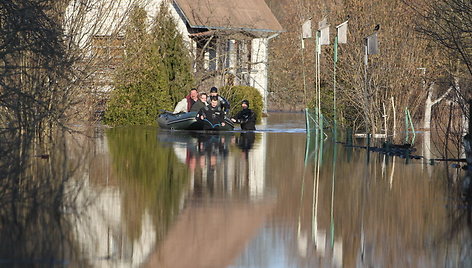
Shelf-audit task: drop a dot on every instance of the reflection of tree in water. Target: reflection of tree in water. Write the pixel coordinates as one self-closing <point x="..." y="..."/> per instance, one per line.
<point x="401" y="211"/>
<point x="459" y="234"/>
<point x="36" y="201"/>
<point x="150" y="178"/>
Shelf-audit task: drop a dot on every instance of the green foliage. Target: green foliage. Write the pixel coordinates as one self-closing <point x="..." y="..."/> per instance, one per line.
<point x="236" y="94"/>
<point x="155" y="73"/>
<point x="138" y="103"/>
<point x="327" y="108"/>
<point x="175" y="55"/>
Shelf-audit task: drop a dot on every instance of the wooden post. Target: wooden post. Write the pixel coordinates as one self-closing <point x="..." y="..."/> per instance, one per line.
<point x="468" y="140"/>
<point x="470" y="117"/>
<point x="394" y="118"/>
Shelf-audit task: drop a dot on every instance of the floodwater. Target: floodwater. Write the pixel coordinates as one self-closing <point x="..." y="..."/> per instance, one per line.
<point x="141" y="197"/>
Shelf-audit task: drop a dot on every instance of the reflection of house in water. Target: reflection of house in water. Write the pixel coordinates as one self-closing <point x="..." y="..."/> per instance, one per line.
<point x="210" y="234"/>
<point x="120" y="228"/>
<point x="222" y="165"/>
<point x="212" y="230"/>
<point x="101" y="232"/>
<point x="100" y="227"/>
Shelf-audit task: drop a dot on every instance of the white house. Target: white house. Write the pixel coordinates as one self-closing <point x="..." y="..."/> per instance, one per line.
<point x="229" y="39"/>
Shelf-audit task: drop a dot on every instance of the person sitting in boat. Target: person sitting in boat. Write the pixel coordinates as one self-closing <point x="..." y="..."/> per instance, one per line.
<point x="221" y="101"/>
<point x="212" y="115"/>
<point x="201" y="102"/>
<point x="186" y="103"/>
<point x="246" y="117"/>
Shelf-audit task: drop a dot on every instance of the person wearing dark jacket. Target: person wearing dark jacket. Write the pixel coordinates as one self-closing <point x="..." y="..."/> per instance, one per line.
<point x="212" y="115"/>
<point x="246" y="117"/>
<point x="221" y="101"/>
<point x="200" y="103"/>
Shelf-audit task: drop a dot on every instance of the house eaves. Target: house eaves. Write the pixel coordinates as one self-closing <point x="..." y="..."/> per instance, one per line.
<point x="239" y="15"/>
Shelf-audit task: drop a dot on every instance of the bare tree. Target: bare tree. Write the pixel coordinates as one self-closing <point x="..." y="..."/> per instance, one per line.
<point x="94" y="40"/>
<point x="394" y="74"/>
<point x="447" y="24"/>
<point x="34" y="69"/>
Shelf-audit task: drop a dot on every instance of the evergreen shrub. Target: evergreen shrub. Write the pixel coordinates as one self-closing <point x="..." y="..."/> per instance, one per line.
<point x="236" y="94"/>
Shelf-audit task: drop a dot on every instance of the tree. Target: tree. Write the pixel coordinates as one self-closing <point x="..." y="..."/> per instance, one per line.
<point x="34" y="68"/>
<point x="175" y="55"/>
<point x="156" y="71"/>
<point x="36" y="94"/>
<point x="447" y="23"/>
<point x="393" y="74"/>
<point x="141" y="84"/>
<point x="92" y="35"/>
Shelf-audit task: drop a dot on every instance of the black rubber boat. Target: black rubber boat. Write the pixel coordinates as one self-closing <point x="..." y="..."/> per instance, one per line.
<point x="188" y="121"/>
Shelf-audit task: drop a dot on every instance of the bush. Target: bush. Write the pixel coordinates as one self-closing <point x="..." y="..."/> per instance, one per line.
<point x="236" y="94"/>
<point x="138" y="103"/>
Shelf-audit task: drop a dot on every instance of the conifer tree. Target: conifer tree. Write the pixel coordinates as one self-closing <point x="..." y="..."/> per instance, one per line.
<point x="141" y="84"/>
<point x="175" y="54"/>
<point x="156" y="71"/>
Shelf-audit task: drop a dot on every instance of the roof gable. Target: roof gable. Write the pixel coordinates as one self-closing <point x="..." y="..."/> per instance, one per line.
<point x="249" y="15"/>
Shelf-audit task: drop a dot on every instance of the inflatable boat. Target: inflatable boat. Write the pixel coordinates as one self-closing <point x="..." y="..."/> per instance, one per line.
<point x="188" y="121"/>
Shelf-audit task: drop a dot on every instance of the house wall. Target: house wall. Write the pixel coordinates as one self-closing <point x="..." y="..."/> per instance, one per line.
<point x="107" y="17"/>
<point x="96" y="27"/>
<point x="259" y="70"/>
<point x="246" y="59"/>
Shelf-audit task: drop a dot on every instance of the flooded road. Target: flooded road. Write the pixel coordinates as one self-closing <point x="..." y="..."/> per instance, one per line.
<point x="144" y="197"/>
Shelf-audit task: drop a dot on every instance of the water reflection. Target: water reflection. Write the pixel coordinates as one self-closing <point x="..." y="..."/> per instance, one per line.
<point x="226" y="201"/>
<point x="38" y="187"/>
<point x="134" y="202"/>
<point x="217" y="168"/>
<point x="143" y="197"/>
<point x="149" y="191"/>
<point x="361" y="211"/>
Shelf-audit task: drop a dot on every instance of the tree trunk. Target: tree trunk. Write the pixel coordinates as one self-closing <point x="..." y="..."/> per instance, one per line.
<point x="428" y="106"/>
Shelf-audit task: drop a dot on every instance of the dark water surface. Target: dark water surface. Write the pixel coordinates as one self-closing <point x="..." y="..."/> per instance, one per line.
<point x="144" y="197"/>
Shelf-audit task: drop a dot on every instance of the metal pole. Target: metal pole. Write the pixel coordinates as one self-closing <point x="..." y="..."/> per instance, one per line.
<point x="366" y="90"/>
<point x="334" y="85"/>
<point x="304" y="85"/>
<point x="319" y="87"/>
<point x="303" y="68"/>
<point x="394" y="118"/>
<point x="316" y="83"/>
<point x="332" y="196"/>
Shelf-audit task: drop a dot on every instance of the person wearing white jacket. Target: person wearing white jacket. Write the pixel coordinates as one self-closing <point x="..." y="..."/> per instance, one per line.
<point x="186" y="103"/>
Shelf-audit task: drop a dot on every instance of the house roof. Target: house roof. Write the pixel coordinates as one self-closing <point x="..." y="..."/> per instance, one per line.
<point x="248" y="15"/>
